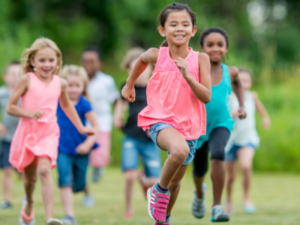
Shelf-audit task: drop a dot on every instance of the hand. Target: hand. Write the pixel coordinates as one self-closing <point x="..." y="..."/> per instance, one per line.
<point x="182" y="66"/>
<point x="88" y="131"/>
<point x="36" y="114"/>
<point x="266" y="122"/>
<point x="82" y="149"/>
<point x="128" y="93"/>
<point x="242" y="113"/>
<point x="3" y="130"/>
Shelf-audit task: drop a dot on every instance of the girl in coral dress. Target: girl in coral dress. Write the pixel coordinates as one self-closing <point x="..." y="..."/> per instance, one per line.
<point x="34" y="148"/>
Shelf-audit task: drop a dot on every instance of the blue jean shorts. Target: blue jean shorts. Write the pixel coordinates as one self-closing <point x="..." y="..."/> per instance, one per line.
<point x="4" y="155"/>
<point x="231" y="154"/>
<point x="156" y="128"/>
<point x="72" y="171"/>
<point x="133" y="148"/>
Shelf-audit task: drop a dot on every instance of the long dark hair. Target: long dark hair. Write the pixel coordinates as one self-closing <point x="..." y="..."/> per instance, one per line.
<point x="163" y="16"/>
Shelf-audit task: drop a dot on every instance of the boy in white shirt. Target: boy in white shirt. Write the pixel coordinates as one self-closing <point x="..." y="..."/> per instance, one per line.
<point x="103" y="92"/>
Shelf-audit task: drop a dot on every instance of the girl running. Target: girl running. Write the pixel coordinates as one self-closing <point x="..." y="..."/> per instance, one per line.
<point x="74" y="148"/>
<point x="176" y="94"/>
<point x="34" y="146"/>
<point x="214" y="42"/>
<point x="243" y="142"/>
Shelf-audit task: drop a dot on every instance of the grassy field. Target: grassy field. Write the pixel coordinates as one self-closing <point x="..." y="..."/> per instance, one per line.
<point x="275" y="195"/>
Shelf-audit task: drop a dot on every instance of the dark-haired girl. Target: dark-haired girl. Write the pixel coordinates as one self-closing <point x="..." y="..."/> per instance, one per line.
<point x="176" y="94"/>
<point x="214" y="42"/>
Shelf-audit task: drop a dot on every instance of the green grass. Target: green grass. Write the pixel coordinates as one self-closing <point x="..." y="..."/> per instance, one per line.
<point x="275" y="195"/>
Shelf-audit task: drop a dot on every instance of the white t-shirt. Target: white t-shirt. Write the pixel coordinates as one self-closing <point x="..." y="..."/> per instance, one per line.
<point x="244" y="130"/>
<point x="103" y="92"/>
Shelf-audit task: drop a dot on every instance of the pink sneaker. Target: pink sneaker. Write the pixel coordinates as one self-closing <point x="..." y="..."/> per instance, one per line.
<point x="157" y="204"/>
<point x="128" y="215"/>
<point x="165" y="223"/>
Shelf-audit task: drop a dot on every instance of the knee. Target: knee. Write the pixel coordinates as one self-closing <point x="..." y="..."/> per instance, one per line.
<point x="30" y="180"/>
<point x="180" y="153"/>
<point x="231" y="178"/>
<point x="218" y="155"/>
<point x="44" y="172"/>
<point x="246" y="168"/>
<point x="130" y="176"/>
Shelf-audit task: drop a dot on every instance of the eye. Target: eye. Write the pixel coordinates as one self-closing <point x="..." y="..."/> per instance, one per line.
<point x="42" y="60"/>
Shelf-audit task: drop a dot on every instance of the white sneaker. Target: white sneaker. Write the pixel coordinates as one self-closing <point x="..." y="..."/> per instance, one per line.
<point x="198" y="204"/>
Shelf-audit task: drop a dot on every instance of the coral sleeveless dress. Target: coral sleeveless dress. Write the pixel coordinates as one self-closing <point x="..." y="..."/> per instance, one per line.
<point x="37" y="137"/>
<point x="171" y="100"/>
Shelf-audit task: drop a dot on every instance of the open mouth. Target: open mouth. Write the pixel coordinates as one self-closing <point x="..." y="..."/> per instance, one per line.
<point x="179" y="36"/>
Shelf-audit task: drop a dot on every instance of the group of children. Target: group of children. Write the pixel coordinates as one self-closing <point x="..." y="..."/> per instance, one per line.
<point x="185" y="108"/>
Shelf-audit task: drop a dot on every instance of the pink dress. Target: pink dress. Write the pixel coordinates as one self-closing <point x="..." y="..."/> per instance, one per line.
<point x="171" y="100"/>
<point x="37" y="137"/>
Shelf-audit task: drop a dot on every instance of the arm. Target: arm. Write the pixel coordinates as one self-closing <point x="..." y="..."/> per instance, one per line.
<point x="238" y="90"/>
<point x="120" y="108"/>
<point x="141" y="64"/>
<point x="262" y="111"/>
<point x="89" y="142"/>
<point x="12" y="107"/>
<point x="234" y="113"/>
<point x="70" y="110"/>
<point x="202" y="90"/>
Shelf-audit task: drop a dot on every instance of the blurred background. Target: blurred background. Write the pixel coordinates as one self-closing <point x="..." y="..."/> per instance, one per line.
<point x="264" y="37"/>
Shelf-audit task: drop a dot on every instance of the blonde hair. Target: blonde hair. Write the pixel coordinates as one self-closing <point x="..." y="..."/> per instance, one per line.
<point x="131" y="55"/>
<point x="73" y="70"/>
<point x="37" y="45"/>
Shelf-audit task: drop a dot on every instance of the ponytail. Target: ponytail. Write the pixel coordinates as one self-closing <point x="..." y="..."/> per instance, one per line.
<point x="164" y="44"/>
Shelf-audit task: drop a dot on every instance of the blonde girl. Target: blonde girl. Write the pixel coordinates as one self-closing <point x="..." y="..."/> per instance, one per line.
<point x="34" y="146"/>
<point x="74" y="148"/>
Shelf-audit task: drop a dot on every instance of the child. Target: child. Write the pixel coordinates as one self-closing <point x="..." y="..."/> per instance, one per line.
<point x="214" y="42"/>
<point x="176" y="94"/>
<point x="136" y="142"/>
<point x="74" y="148"/>
<point x="7" y="130"/>
<point x="34" y="145"/>
<point x="243" y="142"/>
<point x="103" y="92"/>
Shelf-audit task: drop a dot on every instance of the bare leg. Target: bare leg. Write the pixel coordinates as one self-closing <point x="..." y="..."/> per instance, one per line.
<point x="198" y="181"/>
<point x="130" y="177"/>
<point x="175" y="187"/>
<point x="29" y="184"/>
<point x="66" y="195"/>
<point x="231" y="169"/>
<point x="7" y="183"/>
<point x="44" y="172"/>
<point x="170" y="139"/>
<point x="218" y="179"/>
<point x="149" y="181"/>
<point x="246" y="156"/>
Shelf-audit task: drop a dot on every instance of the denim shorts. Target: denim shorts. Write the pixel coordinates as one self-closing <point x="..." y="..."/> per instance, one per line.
<point x="133" y="148"/>
<point x="4" y="155"/>
<point x="231" y="154"/>
<point x="156" y="128"/>
<point x="72" y="171"/>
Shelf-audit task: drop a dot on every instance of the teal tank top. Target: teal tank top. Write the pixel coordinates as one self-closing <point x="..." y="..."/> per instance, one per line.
<point x="218" y="109"/>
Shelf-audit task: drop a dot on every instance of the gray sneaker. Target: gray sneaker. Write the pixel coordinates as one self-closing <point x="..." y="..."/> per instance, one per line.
<point x="69" y="220"/>
<point x="198" y="204"/>
<point x="6" y="205"/>
<point x="88" y="201"/>
<point x="218" y="214"/>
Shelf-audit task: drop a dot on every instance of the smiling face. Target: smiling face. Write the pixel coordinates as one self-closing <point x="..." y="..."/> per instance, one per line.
<point x="45" y="62"/>
<point x="246" y="80"/>
<point x="11" y="76"/>
<point x="75" y="87"/>
<point x="215" y="46"/>
<point x="178" y="28"/>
